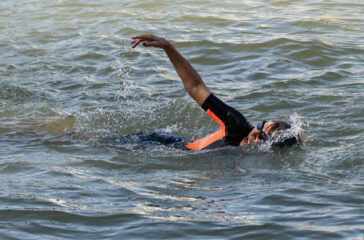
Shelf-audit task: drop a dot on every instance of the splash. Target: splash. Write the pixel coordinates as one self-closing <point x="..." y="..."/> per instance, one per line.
<point x="297" y="125"/>
<point x="296" y="130"/>
<point x="134" y="107"/>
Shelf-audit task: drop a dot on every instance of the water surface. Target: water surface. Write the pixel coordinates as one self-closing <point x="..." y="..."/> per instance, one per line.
<point x="68" y="79"/>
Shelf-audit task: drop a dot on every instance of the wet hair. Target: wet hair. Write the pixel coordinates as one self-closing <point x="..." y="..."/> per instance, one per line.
<point x="282" y="140"/>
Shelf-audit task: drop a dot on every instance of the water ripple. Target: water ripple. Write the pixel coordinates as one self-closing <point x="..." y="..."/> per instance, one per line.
<point x="70" y="86"/>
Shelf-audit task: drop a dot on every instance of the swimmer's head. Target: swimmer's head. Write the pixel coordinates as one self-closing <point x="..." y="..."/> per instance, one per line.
<point x="271" y="130"/>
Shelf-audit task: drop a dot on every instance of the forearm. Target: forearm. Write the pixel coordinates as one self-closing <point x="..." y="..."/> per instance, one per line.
<point x="191" y="80"/>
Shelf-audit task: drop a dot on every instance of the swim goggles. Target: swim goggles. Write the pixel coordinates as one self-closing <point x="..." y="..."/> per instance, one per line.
<point x="262" y="135"/>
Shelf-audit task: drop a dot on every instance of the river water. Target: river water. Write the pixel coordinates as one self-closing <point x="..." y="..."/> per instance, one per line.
<point x="69" y="80"/>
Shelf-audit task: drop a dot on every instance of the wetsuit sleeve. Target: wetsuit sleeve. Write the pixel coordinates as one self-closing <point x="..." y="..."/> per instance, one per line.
<point x="218" y="107"/>
<point x="236" y="125"/>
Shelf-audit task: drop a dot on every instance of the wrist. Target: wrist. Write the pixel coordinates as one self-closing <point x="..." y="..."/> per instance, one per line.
<point x="167" y="45"/>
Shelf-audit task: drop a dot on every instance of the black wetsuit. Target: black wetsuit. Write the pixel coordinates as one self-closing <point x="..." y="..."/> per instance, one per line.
<point x="236" y="127"/>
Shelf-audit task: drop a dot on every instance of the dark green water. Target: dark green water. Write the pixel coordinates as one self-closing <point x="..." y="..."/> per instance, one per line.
<point x="68" y="79"/>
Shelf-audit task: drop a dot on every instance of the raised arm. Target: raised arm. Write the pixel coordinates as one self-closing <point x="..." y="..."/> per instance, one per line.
<point x="192" y="81"/>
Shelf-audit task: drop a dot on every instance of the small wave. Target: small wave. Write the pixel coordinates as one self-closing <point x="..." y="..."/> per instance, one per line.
<point x="16" y="93"/>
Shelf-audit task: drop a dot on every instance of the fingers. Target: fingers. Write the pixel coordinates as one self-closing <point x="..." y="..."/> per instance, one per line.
<point x="145" y="43"/>
<point x="138" y="39"/>
<point x="136" y="42"/>
<point x="148" y="40"/>
<point x="145" y="37"/>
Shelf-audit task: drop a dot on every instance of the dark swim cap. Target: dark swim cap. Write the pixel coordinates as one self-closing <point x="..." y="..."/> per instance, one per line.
<point x="284" y="139"/>
<point x="287" y="142"/>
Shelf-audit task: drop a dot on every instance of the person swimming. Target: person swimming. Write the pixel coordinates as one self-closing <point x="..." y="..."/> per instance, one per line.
<point x="235" y="129"/>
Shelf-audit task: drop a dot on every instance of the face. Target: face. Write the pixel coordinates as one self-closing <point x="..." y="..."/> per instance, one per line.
<point x="254" y="134"/>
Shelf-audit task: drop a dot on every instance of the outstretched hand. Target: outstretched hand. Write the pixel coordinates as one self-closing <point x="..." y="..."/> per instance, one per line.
<point x="192" y="81"/>
<point x="150" y="41"/>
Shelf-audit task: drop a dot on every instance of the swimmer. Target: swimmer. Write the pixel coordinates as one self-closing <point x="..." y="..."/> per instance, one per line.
<point x="235" y="129"/>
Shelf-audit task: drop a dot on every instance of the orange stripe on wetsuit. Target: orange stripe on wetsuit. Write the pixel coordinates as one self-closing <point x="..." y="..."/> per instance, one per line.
<point x="211" y="138"/>
<point x="233" y="125"/>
